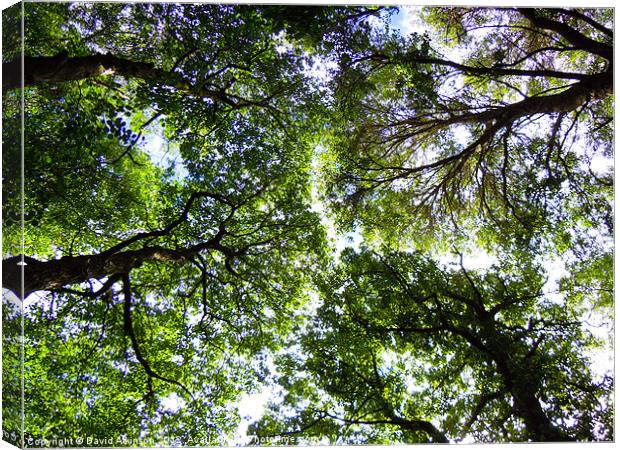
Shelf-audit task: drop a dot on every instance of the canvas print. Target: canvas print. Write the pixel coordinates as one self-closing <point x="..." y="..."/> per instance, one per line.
<point x="259" y="225"/>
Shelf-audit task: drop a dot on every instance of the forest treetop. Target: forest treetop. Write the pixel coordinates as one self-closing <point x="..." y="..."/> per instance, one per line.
<point x="183" y="163"/>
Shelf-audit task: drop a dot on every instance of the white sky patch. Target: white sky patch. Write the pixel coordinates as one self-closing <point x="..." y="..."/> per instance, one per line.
<point x="477" y="259"/>
<point x="251" y="408"/>
<point x="161" y="151"/>
<point x="407" y="21"/>
<point x="338" y="241"/>
<point x="556" y="270"/>
<point x="173" y="403"/>
<point x="284" y="46"/>
<point x="602" y="359"/>
<point x="601" y="164"/>
<point x="33" y="299"/>
<point x="319" y="69"/>
<point x="594" y="322"/>
<point x="462" y="135"/>
<point x="10" y="297"/>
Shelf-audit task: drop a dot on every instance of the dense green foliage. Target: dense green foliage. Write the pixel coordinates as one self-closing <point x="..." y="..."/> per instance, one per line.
<point x="403" y="350"/>
<point x="183" y="166"/>
<point x="12" y="374"/>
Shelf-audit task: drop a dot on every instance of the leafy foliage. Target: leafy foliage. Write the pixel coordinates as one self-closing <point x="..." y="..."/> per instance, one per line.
<point x="402" y="348"/>
<point x="501" y="129"/>
<point x="183" y="162"/>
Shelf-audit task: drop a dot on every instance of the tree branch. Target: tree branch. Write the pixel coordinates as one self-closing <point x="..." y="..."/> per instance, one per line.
<point x="483" y="401"/>
<point x="500" y="71"/>
<point x="171" y="226"/>
<point x="589" y="20"/>
<point x="570" y="34"/>
<point x="60" y="68"/>
<point x="480" y="304"/>
<point x="412" y="425"/>
<point x="129" y="331"/>
<point x="90" y="294"/>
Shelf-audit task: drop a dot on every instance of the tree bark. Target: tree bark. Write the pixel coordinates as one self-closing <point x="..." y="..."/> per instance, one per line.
<point x="571" y="35"/>
<point x="520" y="380"/>
<point x="522" y="383"/>
<point x="71" y="270"/>
<point x="422" y="425"/>
<point x="61" y="68"/>
<point x="594" y="87"/>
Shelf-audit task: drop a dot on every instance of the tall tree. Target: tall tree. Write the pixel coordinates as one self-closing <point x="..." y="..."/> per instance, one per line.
<point x="172" y="158"/>
<point x="504" y="124"/>
<point x="149" y="287"/>
<point x="402" y="349"/>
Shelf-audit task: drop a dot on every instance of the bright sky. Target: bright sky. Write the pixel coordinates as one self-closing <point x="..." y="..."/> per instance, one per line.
<point x="162" y="152"/>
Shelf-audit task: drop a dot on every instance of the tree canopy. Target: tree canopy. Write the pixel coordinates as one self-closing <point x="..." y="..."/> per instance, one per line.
<point x="405" y="350"/>
<point x="512" y="129"/>
<point x="178" y="182"/>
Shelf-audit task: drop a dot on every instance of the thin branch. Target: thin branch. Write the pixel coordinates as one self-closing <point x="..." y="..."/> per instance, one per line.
<point x="183" y="57"/>
<point x="151" y="120"/>
<point x="299" y="430"/>
<point x="90" y="294"/>
<point x="413" y="425"/>
<point x="483" y="401"/>
<point x="501" y="71"/>
<point x="473" y="285"/>
<point x="129" y="331"/>
<point x="171" y="226"/>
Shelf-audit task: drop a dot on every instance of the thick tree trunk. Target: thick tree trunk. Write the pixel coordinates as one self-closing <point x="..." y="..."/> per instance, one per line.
<point x="522" y="384"/>
<point x="593" y="87"/>
<point x="61" y="68"/>
<point x="70" y="270"/>
<point x="423" y="425"/>
<point x="537" y="422"/>
<point x="520" y="379"/>
<point x="572" y="35"/>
